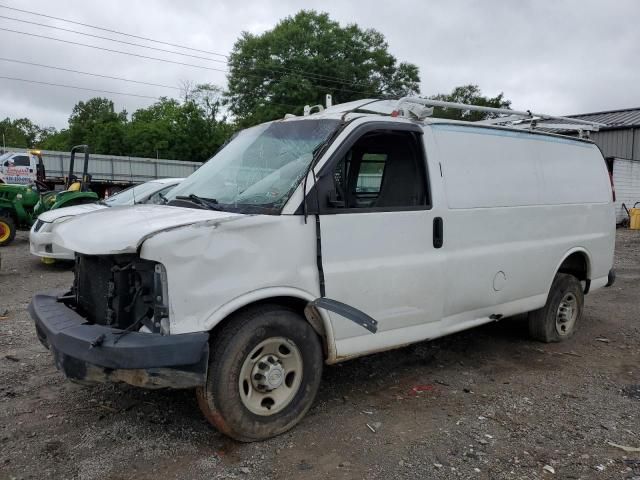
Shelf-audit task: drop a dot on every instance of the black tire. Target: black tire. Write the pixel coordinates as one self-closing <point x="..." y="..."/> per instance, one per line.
<point x="7" y="223"/>
<point x="546" y="324"/>
<point x="220" y="399"/>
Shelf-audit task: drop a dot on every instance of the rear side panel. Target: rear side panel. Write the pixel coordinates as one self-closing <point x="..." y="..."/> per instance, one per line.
<point x="519" y="203"/>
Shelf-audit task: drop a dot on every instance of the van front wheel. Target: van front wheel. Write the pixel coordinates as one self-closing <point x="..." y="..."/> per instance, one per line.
<point x="559" y="318"/>
<point x="264" y="371"/>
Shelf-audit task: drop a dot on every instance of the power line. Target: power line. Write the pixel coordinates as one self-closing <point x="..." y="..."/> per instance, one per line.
<point x="12" y="60"/>
<point x="149" y="57"/>
<point x="112" y="50"/>
<point x="312" y="76"/>
<point x="112" y="39"/>
<point x="113" y="31"/>
<point x="77" y="88"/>
<point x="274" y="69"/>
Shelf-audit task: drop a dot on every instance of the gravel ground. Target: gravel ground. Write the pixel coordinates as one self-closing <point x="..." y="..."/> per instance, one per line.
<point x="485" y="403"/>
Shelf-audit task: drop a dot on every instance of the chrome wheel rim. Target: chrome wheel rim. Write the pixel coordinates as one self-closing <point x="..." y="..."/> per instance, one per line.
<point x="270" y="376"/>
<point x="567" y="314"/>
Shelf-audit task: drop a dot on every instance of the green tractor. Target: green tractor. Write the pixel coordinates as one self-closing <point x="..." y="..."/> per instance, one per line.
<point x="20" y="205"/>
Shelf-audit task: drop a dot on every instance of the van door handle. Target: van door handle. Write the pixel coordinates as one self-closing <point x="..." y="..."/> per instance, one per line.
<point x="438" y="232"/>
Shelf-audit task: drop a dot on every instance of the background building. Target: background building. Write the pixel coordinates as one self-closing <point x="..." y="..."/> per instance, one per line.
<point x="620" y="144"/>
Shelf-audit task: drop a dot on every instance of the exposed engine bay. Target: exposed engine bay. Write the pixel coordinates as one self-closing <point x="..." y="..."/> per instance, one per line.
<point x="121" y="291"/>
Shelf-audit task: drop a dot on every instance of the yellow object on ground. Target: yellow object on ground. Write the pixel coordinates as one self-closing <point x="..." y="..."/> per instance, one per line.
<point x="48" y="261"/>
<point x="634" y="218"/>
<point x="5" y="231"/>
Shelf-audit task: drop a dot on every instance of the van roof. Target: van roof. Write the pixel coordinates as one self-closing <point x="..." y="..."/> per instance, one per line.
<point x="377" y="109"/>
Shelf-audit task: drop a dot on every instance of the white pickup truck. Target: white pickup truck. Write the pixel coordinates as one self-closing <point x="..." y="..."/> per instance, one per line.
<point x="321" y="238"/>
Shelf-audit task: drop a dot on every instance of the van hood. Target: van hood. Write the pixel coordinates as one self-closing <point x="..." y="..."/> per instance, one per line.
<point x="53" y="215"/>
<point x="123" y="229"/>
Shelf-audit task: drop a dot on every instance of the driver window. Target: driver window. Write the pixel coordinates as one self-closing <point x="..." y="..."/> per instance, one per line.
<point x="382" y="169"/>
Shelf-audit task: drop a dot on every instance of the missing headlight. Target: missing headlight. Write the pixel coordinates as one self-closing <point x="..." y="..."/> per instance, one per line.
<point x="122" y="291"/>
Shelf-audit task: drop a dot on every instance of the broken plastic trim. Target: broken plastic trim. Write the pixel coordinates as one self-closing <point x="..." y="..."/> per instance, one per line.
<point x="347" y="312"/>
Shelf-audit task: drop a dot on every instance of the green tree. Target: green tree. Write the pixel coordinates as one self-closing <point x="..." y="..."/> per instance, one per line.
<point x="96" y="123"/>
<point x="52" y="139"/>
<point x="192" y="130"/>
<point x="305" y="57"/>
<point x="151" y="131"/>
<point x="470" y="95"/>
<point x="21" y="132"/>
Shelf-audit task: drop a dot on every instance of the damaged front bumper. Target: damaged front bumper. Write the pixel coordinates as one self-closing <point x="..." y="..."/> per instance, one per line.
<point x="97" y="353"/>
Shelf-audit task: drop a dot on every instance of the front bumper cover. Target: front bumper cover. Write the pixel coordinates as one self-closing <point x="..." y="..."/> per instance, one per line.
<point x="41" y="245"/>
<point x="97" y="353"/>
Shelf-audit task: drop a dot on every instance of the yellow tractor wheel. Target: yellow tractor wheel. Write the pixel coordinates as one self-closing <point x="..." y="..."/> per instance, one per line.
<point x="7" y="230"/>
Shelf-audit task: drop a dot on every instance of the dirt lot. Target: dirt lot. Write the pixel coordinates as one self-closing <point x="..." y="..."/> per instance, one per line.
<point x="495" y="404"/>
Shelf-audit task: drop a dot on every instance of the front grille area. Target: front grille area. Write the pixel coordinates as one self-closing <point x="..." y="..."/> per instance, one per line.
<point x="117" y="290"/>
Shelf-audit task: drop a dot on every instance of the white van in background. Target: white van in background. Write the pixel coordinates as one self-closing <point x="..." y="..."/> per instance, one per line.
<point x="321" y="238"/>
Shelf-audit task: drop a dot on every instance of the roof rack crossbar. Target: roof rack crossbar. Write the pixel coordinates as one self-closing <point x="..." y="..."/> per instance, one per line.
<point x="569" y="126"/>
<point x="502" y="111"/>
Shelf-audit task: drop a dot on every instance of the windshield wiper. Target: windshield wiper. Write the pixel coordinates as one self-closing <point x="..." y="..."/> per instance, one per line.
<point x="210" y="203"/>
<point x="164" y="199"/>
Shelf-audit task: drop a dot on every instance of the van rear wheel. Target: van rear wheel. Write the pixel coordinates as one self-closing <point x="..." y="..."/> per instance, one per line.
<point x="264" y="371"/>
<point x="559" y="318"/>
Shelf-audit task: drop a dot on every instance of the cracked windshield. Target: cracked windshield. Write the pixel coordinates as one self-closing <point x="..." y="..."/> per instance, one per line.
<point x="260" y="167"/>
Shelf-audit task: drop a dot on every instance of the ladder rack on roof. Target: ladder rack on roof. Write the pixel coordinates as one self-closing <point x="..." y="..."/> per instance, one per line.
<point x="423" y="107"/>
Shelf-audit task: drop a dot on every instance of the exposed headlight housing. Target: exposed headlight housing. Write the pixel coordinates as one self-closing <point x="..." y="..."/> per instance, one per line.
<point x="122" y="291"/>
<point x="161" y="301"/>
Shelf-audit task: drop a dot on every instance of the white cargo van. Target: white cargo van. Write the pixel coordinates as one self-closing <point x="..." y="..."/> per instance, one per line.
<point x="321" y="238"/>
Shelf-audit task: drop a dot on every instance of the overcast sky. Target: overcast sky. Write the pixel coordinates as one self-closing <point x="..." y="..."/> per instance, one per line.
<point x="552" y="56"/>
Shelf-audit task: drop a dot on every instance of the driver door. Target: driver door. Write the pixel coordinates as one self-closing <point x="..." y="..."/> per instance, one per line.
<point x="380" y="256"/>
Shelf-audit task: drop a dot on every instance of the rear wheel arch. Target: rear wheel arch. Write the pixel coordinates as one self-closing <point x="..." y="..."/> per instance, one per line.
<point x="576" y="262"/>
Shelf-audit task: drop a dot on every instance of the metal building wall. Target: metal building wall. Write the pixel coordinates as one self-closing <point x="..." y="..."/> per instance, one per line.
<point x="626" y="178"/>
<point x="624" y="145"/>
<point x="620" y="143"/>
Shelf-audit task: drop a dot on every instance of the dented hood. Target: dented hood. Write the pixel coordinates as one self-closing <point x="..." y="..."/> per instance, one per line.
<point x="123" y="229"/>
